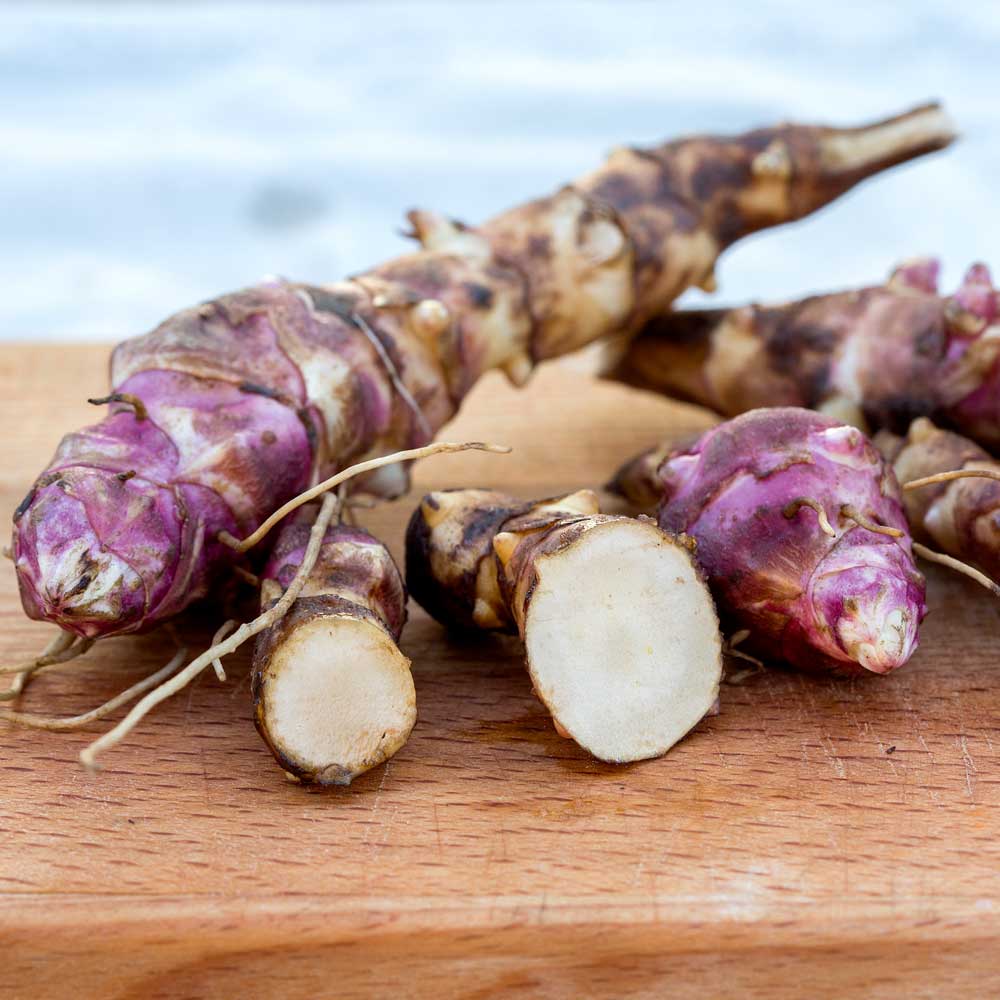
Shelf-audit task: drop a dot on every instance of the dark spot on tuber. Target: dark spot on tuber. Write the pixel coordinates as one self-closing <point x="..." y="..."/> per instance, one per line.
<point x="539" y="246"/>
<point x="340" y="305"/>
<point x="124" y="477"/>
<point x="891" y="749"/>
<point x="480" y="296"/>
<point x="81" y="585"/>
<point x="715" y="174"/>
<point x="260" y="390"/>
<point x="620" y="189"/>
<point x="24" y="504"/>
<point x="269" y="437"/>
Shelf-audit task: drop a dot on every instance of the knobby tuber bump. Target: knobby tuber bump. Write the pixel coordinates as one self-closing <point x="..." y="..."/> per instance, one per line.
<point x="800" y="530"/>
<point x="960" y="515"/>
<point x="228" y="409"/>
<point x="333" y="695"/>
<point x="877" y="357"/>
<point x="621" y="637"/>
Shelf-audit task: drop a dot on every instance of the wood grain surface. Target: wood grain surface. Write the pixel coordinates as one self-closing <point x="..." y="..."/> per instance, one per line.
<point x="818" y="838"/>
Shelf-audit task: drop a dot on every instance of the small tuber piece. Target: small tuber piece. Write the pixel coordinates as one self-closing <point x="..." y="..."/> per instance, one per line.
<point x="333" y="694"/>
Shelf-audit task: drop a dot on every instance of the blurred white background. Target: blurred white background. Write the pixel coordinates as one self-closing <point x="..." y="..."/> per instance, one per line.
<point x="156" y="154"/>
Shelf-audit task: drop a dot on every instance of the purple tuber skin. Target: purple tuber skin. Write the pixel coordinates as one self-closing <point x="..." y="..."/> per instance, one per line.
<point x="848" y="601"/>
<point x="229" y="409"/>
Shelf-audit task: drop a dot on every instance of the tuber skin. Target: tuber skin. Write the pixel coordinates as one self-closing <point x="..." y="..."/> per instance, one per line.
<point x="621" y="637"/>
<point x="333" y="695"/>
<point x="230" y="408"/>
<point x="877" y="357"/>
<point x="773" y="499"/>
<point x="960" y="517"/>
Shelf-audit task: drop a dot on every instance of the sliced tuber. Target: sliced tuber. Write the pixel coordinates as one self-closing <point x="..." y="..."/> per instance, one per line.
<point x="620" y="633"/>
<point x="333" y="694"/>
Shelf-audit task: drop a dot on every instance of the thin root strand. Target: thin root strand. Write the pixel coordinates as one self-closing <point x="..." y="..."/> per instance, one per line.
<point x="61" y="649"/>
<point x="944" y="477"/>
<point x="56" y="724"/>
<point x="958" y="566"/>
<point x="246" y="631"/>
<point x="221" y="634"/>
<point x="869" y="525"/>
<point x="246" y="576"/>
<point x="411" y="454"/>
<point x="123" y="397"/>
<point x="796" y="505"/>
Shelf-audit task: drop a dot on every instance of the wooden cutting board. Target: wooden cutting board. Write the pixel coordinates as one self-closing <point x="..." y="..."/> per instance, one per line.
<point x="818" y="838"/>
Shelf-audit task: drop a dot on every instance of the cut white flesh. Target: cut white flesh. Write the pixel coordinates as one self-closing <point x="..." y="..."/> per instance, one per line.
<point x="623" y="641"/>
<point x="337" y="698"/>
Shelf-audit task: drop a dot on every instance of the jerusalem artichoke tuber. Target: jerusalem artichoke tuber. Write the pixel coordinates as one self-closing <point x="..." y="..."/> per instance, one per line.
<point x="800" y="530"/>
<point x="333" y="695"/>
<point x="951" y="493"/>
<point x="228" y="409"/>
<point x="878" y="357"/>
<point x="620" y="633"/>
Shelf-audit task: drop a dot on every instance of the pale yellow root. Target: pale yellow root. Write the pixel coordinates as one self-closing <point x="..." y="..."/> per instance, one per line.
<point x="863" y="522"/>
<point x="61" y="649"/>
<point x="411" y="454"/>
<point x="824" y="522"/>
<point x="945" y="477"/>
<point x="56" y="724"/>
<point x="737" y="677"/>
<point x="246" y="631"/>
<point x="956" y="564"/>
<point x="246" y="576"/>
<point x="221" y="634"/>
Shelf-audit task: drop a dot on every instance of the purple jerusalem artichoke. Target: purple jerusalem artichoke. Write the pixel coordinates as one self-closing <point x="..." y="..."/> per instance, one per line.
<point x="800" y="530"/>
<point x="230" y="408"/>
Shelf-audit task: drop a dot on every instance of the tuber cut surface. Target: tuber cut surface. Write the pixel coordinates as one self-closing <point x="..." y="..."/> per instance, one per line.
<point x="621" y="637"/>
<point x="333" y="694"/>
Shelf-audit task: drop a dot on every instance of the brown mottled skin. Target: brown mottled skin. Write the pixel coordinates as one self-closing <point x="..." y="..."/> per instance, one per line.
<point x="470" y="554"/>
<point x="876" y="357"/>
<point x="734" y="360"/>
<point x="960" y="517"/>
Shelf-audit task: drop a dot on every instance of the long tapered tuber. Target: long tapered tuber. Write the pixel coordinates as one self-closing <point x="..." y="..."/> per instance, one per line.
<point x="620" y="633"/>
<point x="878" y="357"/>
<point x="229" y="409"/>
<point x="800" y="529"/>
<point x="333" y="695"/>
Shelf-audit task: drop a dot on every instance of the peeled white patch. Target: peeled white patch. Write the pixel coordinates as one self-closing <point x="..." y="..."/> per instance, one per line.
<point x="338" y="697"/>
<point x="623" y="641"/>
